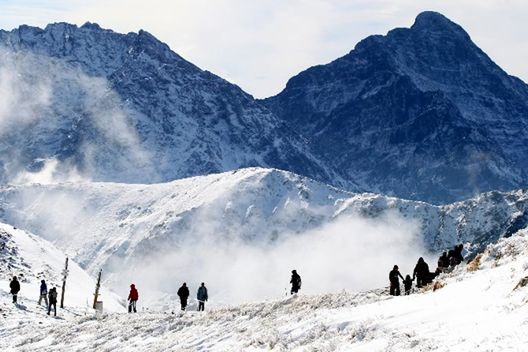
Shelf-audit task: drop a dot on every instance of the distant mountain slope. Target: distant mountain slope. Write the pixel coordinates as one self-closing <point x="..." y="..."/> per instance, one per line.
<point x="116" y="107"/>
<point x="421" y="113"/>
<point x="112" y="226"/>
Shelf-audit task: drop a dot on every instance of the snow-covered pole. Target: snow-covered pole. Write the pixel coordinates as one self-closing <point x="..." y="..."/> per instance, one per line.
<point x="96" y="295"/>
<point x="64" y="276"/>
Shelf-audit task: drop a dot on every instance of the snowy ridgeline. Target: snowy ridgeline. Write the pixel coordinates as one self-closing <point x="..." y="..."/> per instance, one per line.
<point x="228" y="229"/>
<point x="478" y="307"/>
<point x="32" y="259"/>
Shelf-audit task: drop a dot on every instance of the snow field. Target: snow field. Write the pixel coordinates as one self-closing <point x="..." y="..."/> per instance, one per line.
<point x="474" y="311"/>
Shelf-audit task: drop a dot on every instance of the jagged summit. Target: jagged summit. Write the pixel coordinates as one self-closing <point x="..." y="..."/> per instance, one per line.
<point x="435" y="22"/>
<point x="420" y="113"/>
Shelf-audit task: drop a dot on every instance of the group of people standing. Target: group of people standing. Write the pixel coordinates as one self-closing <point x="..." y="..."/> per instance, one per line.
<point x="448" y="260"/>
<point x="183" y="293"/>
<point x="49" y="297"/>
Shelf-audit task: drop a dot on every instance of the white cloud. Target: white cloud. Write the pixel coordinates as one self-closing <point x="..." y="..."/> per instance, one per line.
<point x="260" y="44"/>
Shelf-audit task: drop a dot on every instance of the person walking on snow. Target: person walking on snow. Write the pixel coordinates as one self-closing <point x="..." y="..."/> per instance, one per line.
<point x="202" y="297"/>
<point x="295" y="281"/>
<point x="133" y="297"/>
<point x="394" y="278"/>
<point x="52" y="301"/>
<point x="14" y="285"/>
<point x="183" y="293"/>
<point x="407" y="284"/>
<point x="443" y="262"/>
<point x="421" y="272"/>
<point x="43" y="293"/>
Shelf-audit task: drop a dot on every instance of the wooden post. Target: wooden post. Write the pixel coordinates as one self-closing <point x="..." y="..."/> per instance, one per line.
<point x="96" y="295"/>
<point x="64" y="276"/>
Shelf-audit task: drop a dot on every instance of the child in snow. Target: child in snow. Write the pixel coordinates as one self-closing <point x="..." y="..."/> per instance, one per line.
<point x="407" y="283"/>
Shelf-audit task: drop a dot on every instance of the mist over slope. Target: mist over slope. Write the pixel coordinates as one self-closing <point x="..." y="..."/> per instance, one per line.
<point x="89" y="102"/>
<point x="251" y="223"/>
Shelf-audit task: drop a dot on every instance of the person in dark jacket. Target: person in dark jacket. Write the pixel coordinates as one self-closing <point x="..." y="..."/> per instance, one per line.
<point x="52" y="301"/>
<point x="451" y="258"/>
<point x="407" y="284"/>
<point x="202" y="297"/>
<point x="14" y="285"/>
<point x="457" y="254"/>
<point x="296" y="282"/>
<point x="443" y="262"/>
<point x="421" y="273"/>
<point x="43" y="293"/>
<point x="394" y="278"/>
<point x="183" y="293"/>
<point x="133" y="297"/>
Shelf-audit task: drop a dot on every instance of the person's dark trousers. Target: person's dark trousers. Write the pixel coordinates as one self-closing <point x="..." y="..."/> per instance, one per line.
<point x="183" y="304"/>
<point x="15" y="298"/>
<point x="294" y="290"/>
<point x="54" y="308"/>
<point x="394" y="290"/>
<point x="201" y="306"/>
<point x="420" y="281"/>
<point x="132" y="306"/>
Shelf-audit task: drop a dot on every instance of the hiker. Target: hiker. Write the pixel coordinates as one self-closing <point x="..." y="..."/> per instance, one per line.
<point x="394" y="278"/>
<point x="295" y="281"/>
<point x="183" y="293"/>
<point x="451" y="258"/>
<point x="457" y="254"/>
<point x="43" y="293"/>
<point x="421" y="273"/>
<point x="14" y="285"/>
<point x="52" y="301"/>
<point x="443" y="263"/>
<point x="407" y="284"/>
<point x="202" y="297"/>
<point x="133" y="297"/>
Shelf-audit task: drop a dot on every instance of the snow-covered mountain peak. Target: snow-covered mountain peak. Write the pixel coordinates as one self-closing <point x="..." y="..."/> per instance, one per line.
<point x="126" y="108"/>
<point x="420" y="113"/>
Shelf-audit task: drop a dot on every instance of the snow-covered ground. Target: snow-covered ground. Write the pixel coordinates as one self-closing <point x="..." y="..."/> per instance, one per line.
<point x="32" y="259"/>
<point x="478" y="308"/>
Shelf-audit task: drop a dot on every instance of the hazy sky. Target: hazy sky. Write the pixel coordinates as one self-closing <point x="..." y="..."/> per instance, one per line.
<point x="260" y="44"/>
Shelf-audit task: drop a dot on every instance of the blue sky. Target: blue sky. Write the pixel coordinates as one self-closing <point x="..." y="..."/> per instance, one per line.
<point x="259" y="44"/>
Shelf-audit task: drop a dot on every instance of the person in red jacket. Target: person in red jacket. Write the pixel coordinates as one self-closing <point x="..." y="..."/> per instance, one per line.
<point x="133" y="297"/>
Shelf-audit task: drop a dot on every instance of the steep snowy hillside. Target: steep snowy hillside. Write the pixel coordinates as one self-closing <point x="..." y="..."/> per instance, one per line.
<point x="188" y="228"/>
<point x="124" y="107"/>
<point x="421" y="113"/>
<point x="32" y="259"/>
<point x="477" y="308"/>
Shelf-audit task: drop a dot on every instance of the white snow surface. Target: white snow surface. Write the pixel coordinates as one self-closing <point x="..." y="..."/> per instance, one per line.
<point x="32" y="259"/>
<point x="475" y="310"/>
